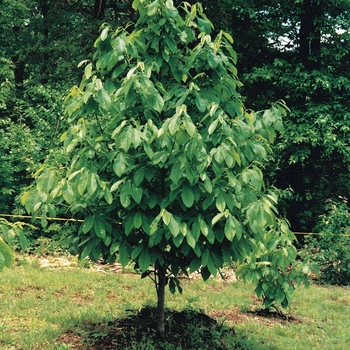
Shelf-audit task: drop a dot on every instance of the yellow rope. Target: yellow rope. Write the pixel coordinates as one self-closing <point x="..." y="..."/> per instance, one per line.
<point x="39" y="217"/>
<point x="320" y="233"/>
<point x="75" y="220"/>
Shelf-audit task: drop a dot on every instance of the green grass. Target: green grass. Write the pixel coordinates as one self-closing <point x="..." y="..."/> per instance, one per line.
<point x="38" y="306"/>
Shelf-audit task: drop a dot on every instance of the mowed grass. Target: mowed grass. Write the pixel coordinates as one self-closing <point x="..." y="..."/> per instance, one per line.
<point x="38" y="306"/>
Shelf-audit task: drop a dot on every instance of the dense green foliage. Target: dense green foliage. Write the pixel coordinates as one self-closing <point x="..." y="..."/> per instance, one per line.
<point x="165" y="164"/>
<point x="301" y="55"/>
<point x="331" y="250"/>
<point x="41" y="44"/>
<point x="296" y="51"/>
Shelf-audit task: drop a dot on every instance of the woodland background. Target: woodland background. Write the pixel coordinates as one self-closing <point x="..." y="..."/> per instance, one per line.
<point x="298" y="51"/>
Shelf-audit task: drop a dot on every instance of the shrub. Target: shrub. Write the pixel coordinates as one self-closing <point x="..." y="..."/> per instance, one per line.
<point x="8" y="232"/>
<point x="331" y="249"/>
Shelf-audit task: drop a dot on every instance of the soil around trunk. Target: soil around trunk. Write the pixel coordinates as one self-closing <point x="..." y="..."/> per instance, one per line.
<point x="187" y="329"/>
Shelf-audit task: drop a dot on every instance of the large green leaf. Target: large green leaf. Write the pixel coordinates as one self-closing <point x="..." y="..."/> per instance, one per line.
<point x="187" y="196"/>
<point x="6" y="255"/>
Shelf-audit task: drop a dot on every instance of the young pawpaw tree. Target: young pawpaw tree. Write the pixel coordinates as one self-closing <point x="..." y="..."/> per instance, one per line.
<point x="165" y="163"/>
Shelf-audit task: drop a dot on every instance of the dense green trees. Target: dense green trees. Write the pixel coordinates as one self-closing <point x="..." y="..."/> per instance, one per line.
<point x="297" y="51"/>
<point x="41" y="44"/>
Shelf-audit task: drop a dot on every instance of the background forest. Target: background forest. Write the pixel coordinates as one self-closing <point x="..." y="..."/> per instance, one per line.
<point x="298" y="51"/>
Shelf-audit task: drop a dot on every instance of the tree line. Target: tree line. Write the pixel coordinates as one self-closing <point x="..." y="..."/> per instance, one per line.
<point x="296" y="51"/>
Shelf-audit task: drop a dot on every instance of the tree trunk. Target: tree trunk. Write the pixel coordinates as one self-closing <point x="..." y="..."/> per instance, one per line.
<point x="160" y="325"/>
<point x="19" y="65"/>
<point x="45" y="70"/>
<point x="310" y="34"/>
<point x="99" y="9"/>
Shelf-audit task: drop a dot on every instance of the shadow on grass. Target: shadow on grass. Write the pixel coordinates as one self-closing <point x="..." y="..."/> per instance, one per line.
<point x="187" y="329"/>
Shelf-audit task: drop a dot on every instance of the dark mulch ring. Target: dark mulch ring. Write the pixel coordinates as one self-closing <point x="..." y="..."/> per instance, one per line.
<point x="187" y="329"/>
<point x="276" y="315"/>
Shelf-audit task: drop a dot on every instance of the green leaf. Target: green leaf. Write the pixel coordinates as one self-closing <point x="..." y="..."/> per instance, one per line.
<point x="208" y="185"/>
<point x="187" y="196"/>
<point x="204" y="25"/>
<point x="108" y="196"/>
<point x="228" y="37"/>
<point x="92" y="184"/>
<point x="176" y="172"/>
<point x="104" y="33"/>
<point x="144" y="260"/>
<point x="174" y="226"/>
<point x="190" y="240"/>
<point x="230" y="228"/>
<point x="213" y="126"/>
<point x="2" y="261"/>
<point x="174" y="124"/>
<point x="125" y="199"/>
<point x="213" y="60"/>
<point x="82" y="183"/>
<point x="114" y="248"/>
<point x="203" y="227"/>
<point x="22" y="239"/>
<point x="68" y="194"/>
<point x="220" y="202"/>
<point x="116" y="185"/>
<point x="216" y="218"/>
<point x="166" y="217"/>
<point x="88" y="248"/>
<point x="99" y="228"/>
<point x="88" y="71"/>
<point x="137" y="194"/>
<point x="103" y="99"/>
<point x="88" y="223"/>
<point x="119" y="164"/>
<point x="158" y="103"/>
<point x="211" y="265"/>
<point x="139" y="176"/>
<point x="153" y="7"/>
<point x="189" y="126"/>
<point x="205" y="273"/>
<point x="138" y="220"/>
<point x="201" y="103"/>
<point x="119" y="45"/>
<point x="259" y="290"/>
<point x="136" y="251"/>
<point x="239" y="229"/>
<point x="159" y="157"/>
<point x="123" y="255"/>
<point x="7" y="256"/>
<point x="195" y="264"/>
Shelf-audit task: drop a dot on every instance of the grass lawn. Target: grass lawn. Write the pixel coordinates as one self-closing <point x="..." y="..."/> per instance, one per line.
<point x="66" y="307"/>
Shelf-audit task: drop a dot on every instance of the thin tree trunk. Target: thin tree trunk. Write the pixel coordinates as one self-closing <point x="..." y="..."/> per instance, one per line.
<point x="99" y="9"/>
<point x="160" y="325"/>
<point x="45" y="71"/>
<point x="310" y="34"/>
